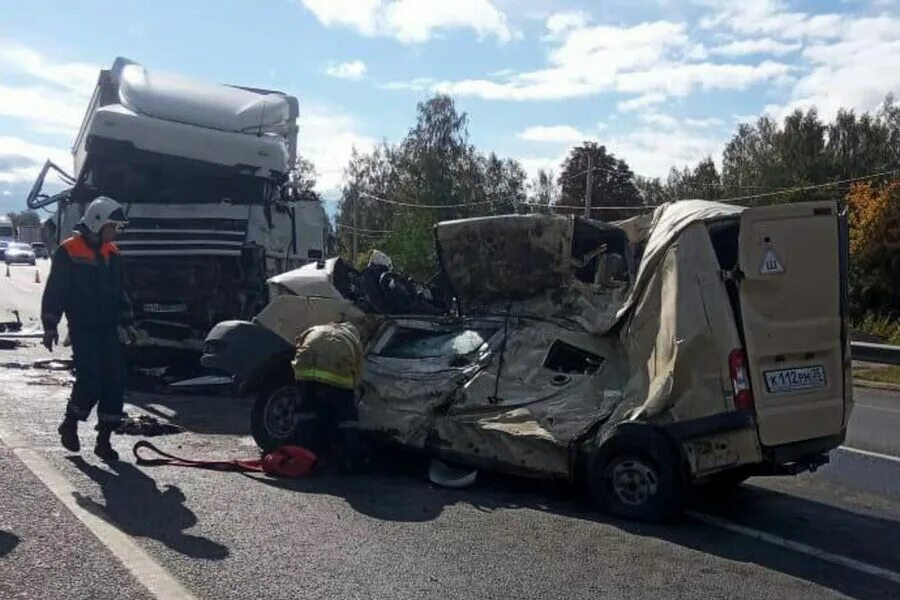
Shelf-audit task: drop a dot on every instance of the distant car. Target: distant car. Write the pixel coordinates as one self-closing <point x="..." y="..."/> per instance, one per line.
<point x="40" y="250"/>
<point x="19" y="253"/>
<point x="3" y="246"/>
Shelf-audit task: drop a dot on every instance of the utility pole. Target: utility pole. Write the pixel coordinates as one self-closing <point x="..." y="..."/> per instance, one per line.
<point x="354" y="233"/>
<point x="589" y="185"/>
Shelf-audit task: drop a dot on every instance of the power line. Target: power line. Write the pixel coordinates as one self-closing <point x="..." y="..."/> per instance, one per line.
<point x="412" y="205"/>
<point x="809" y="187"/>
<point x="361" y="229"/>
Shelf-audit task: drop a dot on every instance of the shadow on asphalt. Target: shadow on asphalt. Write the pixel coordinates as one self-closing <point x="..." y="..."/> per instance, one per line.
<point x="135" y="505"/>
<point x="8" y="542"/>
<point x="214" y="415"/>
<point x="402" y="492"/>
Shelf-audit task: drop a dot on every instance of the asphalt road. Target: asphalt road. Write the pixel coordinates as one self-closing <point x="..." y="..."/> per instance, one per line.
<point x="875" y="422"/>
<point x="391" y="534"/>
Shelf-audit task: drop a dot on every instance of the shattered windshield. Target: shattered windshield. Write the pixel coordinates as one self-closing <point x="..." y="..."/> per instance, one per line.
<point x="418" y="343"/>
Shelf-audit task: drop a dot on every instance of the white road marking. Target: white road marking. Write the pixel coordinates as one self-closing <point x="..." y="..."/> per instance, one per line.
<point x="837" y="559"/>
<point x="147" y="571"/>
<point x="889" y="457"/>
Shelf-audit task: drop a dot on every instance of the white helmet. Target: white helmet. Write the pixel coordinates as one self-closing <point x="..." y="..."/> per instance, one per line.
<point x="103" y="211"/>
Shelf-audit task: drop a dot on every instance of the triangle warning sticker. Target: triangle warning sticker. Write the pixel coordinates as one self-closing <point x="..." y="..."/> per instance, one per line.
<point x="770" y="264"/>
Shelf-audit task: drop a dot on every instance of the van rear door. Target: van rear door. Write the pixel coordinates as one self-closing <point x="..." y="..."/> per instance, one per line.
<point x="793" y="314"/>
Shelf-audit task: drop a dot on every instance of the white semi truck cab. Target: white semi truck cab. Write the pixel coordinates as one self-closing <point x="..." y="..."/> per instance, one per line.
<point x="205" y="174"/>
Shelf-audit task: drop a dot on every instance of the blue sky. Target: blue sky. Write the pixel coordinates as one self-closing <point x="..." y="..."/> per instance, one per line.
<point x="660" y="82"/>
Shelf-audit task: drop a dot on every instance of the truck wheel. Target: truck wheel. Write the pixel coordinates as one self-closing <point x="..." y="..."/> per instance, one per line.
<point x="636" y="473"/>
<point x="277" y="416"/>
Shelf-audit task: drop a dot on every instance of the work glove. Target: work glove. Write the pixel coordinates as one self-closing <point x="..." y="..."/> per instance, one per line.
<point x="51" y="337"/>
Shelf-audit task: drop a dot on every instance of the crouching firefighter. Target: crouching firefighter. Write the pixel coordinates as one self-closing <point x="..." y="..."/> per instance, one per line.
<point x="327" y="366"/>
<point x="85" y="285"/>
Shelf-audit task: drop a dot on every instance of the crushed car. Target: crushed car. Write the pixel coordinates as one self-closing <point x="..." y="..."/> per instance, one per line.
<point x="703" y="343"/>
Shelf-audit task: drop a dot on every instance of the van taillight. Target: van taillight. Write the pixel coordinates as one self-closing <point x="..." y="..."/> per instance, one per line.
<point x="740" y="380"/>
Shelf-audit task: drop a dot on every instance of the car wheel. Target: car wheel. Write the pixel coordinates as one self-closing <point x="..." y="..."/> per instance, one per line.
<point x="636" y="473"/>
<point x="281" y="416"/>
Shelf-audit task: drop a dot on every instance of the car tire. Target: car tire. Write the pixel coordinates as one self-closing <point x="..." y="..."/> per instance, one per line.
<point x="636" y="472"/>
<point x="277" y="415"/>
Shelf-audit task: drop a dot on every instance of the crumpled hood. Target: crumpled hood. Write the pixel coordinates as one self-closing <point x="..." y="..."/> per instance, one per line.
<point x="528" y="263"/>
<point x="510" y="257"/>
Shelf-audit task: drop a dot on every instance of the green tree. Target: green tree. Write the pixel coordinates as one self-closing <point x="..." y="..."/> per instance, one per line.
<point x="543" y="192"/>
<point x="612" y="182"/>
<point x="27" y="218"/>
<point x="393" y="196"/>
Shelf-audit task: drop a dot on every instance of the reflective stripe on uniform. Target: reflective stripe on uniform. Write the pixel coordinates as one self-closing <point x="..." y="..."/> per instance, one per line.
<point x="348" y="425"/>
<point x="344" y="381"/>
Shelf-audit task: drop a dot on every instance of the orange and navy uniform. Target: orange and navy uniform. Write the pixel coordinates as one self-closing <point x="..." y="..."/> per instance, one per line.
<point x="85" y="284"/>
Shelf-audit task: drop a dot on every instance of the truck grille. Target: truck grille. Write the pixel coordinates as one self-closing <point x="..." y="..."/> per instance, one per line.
<point x="183" y="237"/>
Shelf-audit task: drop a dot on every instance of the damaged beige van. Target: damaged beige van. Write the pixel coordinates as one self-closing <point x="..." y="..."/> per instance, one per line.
<point x="701" y="344"/>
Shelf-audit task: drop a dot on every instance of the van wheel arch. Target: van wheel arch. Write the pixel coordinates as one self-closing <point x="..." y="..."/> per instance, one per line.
<point x="636" y="470"/>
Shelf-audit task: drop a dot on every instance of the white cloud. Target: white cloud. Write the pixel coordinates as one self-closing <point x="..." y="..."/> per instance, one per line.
<point x="855" y="71"/>
<point x="357" y="14"/>
<point x="755" y="46"/>
<point x="704" y="123"/>
<point x="413" y="21"/>
<point x="770" y="17"/>
<point x="21" y="160"/>
<point x="355" y="69"/>
<point x="420" y="84"/>
<point x="659" y="120"/>
<point x="650" y="59"/>
<point x="45" y="109"/>
<point x="560" y="23"/>
<point x="416" y="20"/>
<point x="641" y="102"/>
<point x="651" y="152"/>
<point x="533" y="164"/>
<point x="54" y="99"/>
<point x="556" y="134"/>
<point x="76" y="76"/>
<point x="327" y="138"/>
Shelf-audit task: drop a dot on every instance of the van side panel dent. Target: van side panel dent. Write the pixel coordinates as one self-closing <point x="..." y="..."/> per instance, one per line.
<point x="680" y="335"/>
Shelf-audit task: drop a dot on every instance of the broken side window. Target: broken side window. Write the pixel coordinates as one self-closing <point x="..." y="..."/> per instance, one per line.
<point x="599" y="254"/>
<point x="419" y="343"/>
<point x="569" y="359"/>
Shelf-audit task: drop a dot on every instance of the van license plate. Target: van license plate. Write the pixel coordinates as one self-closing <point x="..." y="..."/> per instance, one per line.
<point x="795" y="380"/>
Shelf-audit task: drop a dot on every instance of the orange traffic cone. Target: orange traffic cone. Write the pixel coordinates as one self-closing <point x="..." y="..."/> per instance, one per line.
<point x="37" y="276"/>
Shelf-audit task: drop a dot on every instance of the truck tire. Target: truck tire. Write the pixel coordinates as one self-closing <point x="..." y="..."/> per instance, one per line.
<point x="277" y="415"/>
<point x="636" y="472"/>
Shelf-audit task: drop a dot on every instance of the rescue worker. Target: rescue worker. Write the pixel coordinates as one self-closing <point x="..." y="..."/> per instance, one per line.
<point x="327" y="365"/>
<point x="85" y="285"/>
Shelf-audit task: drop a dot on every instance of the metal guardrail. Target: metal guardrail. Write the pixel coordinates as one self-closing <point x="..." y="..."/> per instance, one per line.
<point x="876" y="353"/>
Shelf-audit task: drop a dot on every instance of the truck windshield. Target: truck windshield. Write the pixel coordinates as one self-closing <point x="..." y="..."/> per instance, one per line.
<point x="164" y="182"/>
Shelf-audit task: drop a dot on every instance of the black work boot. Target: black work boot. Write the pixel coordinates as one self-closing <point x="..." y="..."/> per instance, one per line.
<point x="103" y="448"/>
<point x="68" y="434"/>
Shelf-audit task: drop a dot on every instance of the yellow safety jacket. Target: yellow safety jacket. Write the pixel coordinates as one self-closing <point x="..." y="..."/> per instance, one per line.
<point x="331" y="354"/>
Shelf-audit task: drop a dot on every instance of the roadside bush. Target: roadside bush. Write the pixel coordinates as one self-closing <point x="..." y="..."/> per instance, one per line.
<point x="883" y="327"/>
